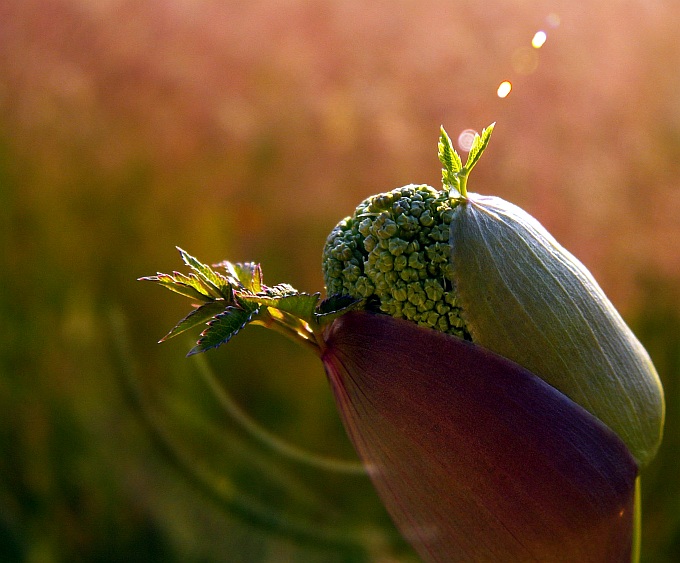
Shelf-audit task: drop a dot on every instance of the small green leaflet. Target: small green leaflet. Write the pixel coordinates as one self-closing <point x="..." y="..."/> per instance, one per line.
<point x="450" y="159"/>
<point x="198" y="316"/>
<point x="217" y="283"/>
<point x="300" y="305"/>
<point x="479" y="144"/>
<point x="189" y="286"/>
<point x="223" y="327"/>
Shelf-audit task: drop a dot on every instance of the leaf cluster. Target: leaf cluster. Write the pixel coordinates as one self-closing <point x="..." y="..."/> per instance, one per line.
<point x="231" y="295"/>
<point x="454" y="174"/>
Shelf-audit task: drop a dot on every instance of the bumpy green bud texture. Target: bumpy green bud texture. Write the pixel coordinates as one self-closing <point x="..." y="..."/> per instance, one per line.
<point x="394" y="251"/>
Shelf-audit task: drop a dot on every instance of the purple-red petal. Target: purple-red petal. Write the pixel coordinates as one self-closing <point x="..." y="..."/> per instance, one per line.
<point x="476" y="458"/>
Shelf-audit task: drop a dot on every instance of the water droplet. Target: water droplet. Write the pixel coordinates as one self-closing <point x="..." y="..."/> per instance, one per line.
<point x="539" y="39"/>
<point x="504" y="89"/>
<point x="466" y="138"/>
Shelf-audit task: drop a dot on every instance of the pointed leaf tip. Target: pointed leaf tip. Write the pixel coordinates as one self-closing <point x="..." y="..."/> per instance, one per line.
<point x="198" y="316"/>
<point x="450" y="160"/>
<point x="479" y="145"/>
<point x="476" y="458"/>
<point x="223" y="328"/>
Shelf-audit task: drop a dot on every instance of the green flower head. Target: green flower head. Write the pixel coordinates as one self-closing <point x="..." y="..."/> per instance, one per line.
<point x="394" y="251"/>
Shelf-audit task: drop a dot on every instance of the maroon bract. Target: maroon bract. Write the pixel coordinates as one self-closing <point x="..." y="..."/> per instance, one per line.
<point x="476" y="458"/>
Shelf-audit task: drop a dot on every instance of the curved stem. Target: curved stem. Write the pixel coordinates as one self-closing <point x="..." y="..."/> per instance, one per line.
<point x="267" y="438"/>
<point x="349" y="542"/>
<point x="297" y="333"/>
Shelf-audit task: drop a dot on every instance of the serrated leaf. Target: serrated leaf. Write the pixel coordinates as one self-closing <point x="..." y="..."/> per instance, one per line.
<point x="223" y="328"/>
<point x="479" y="144"/>
<point x="189" y="286"/>
<point x="214" y="281"/>
<point x="248" y="274"/>
<point x="198" y="316"/>
<point x="448" y="156"/>
<point x="280" y="290"/>
<point x="301" y="305"/>
<point x="230" y="276"/>
<point x="336" y="306"/>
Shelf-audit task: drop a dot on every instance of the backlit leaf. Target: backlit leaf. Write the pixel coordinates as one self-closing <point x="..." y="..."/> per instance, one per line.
<point x="300" y="305"/>
<point x="247" y="274"/>
<point x="198" y="316"/>
<point x="450" y="159"/>
<point x="189" y="286"/>
<point x="479" y="144"/>
<point x="215" y="281"/>
<point x="223" y="327"/>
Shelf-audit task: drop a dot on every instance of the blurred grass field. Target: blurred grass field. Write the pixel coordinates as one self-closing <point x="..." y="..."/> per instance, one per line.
<point x="245" y="131"/>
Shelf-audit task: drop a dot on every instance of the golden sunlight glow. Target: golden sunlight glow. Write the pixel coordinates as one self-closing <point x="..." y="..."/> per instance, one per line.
<point x="275" y="313"/>
<point x="504" y="89"/>
<point x="539" y="39"/>
<point x="304" y="330"/>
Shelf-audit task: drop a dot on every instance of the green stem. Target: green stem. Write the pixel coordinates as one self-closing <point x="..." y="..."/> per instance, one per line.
<point x="347" y="541"/>
<point x="297" y="332"/>
<point x="637" y="523"/>
<point x="265" y="437"/>
<point x="462" y="184"/>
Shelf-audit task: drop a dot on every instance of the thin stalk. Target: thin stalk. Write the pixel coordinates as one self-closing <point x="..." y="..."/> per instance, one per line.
<point x="462" y="183"/>
<point x="637" y="523"/>
<point x="348" y="542"/>
<point x="265" y="437"/>
<point x="294" y="332"/>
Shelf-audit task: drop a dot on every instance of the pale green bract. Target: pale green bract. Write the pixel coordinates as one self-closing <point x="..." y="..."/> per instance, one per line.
<point x="527" y="298"/>
<point x="482" y="269"/>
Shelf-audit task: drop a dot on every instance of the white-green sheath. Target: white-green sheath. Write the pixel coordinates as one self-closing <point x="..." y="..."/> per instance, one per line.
<point x="525" y="297"/>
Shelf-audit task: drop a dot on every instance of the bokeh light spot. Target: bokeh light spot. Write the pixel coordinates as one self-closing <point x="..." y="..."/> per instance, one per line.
<point x="466" y="138"/>
<point x="504" y="89"/>
<point x="539" y="39"/>
<point x="553" y="20"/>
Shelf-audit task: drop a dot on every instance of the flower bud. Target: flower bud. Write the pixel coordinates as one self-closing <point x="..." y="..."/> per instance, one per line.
<point x="503" y="282"/>
<point x="513" y="431"/>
